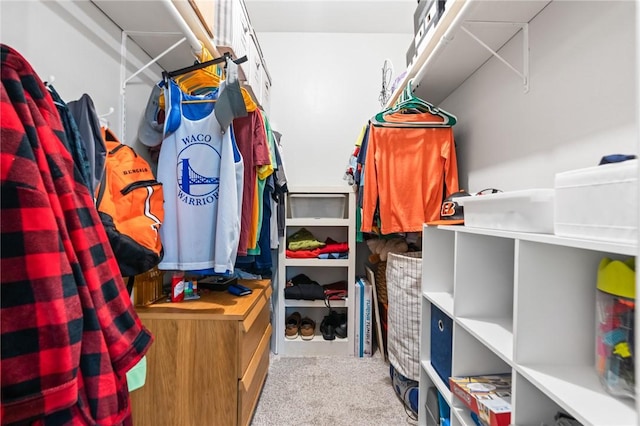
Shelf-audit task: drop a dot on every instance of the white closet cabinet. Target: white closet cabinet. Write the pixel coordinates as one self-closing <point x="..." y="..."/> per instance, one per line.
<point x="520" y="303"/>
<point x="305" y="210"/>
<point x="525" y="304"/>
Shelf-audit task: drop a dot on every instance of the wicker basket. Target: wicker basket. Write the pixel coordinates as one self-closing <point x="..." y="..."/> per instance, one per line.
<point x="147" y="287"/>
<point x="381" y="282"/>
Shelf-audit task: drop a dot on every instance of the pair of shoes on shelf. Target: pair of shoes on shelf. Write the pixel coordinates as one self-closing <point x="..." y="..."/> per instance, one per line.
<point x="334" y="324"/>
<point x="296" y="325"/>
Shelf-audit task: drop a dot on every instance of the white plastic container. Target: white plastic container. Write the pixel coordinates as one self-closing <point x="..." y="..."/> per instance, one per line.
<point x="317" y="206"/>
<point x="599" y="203"/>
<point x="529" y="210"/>
<point x="231" y="27"/>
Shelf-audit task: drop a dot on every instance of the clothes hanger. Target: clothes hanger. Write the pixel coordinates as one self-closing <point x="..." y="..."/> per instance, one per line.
<point x="199" y="101"/>
<point x="249" y="103"/>
<point x="204" y="77"/>
<point x="104" y="122"/>
<point x="410" y="104"/>
<point x="201" y="65"/>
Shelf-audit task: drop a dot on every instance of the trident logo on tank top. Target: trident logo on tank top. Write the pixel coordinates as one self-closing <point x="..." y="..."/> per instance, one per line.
<point x="198" y="169"/>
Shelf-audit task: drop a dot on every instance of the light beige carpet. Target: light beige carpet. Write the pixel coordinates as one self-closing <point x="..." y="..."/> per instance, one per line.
<point x="333" y="391"/>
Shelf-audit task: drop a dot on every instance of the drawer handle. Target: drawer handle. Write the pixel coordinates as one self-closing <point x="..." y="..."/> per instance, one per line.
<point x="253" y="315"/>
<point x="440" y="325"/>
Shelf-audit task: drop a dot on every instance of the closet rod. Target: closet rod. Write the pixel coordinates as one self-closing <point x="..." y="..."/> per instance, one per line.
<point x="188" y="33"/>
<point x="205" y="64"/>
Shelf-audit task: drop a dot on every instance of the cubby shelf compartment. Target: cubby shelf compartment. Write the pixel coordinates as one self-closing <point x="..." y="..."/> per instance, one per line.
<point x="295" y="303"/>
<point x="462" y="417"/>
<point x="302" y="222"/>
<point x="577" y="390"/>
<point x="317" y="346"/>
<point x="444" y="301"/>
<point x="525" y="304"/>
<point x="531" y="406"/>
<point x="495" y="333"/>
<point x="322" y="263"/>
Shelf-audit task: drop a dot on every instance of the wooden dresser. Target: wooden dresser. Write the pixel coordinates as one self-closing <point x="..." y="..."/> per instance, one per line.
<point x="209" y="359"/>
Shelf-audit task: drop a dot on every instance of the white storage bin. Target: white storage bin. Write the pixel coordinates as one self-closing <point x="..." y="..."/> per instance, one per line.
<point x="599" y="203"/>
<point x="330" y="206"/>
<point x="254" y="78"/>
<point x="265" y="94"/>
<point x="529" y="210"/>
<point x="426" y="28"/>
<point x="232" y="27"/>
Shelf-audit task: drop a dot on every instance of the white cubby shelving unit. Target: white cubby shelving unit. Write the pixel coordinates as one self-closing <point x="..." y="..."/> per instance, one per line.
<point x="341" y="228"/>
<point x="525" y="304"/>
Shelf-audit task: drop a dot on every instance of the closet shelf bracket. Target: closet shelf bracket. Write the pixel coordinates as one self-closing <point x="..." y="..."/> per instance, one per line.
<point x="124" y="80"/>
<point x="185" y="31"/>
<point x="524" y="74"/>
<point x="123" y="52"/>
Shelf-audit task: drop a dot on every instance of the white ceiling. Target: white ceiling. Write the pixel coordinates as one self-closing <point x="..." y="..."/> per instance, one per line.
<point x="332" y="16"/>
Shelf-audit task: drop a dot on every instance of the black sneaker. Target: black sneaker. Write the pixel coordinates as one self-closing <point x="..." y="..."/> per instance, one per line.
<point x="341" y="325"/>
<point x="327" y="328"/>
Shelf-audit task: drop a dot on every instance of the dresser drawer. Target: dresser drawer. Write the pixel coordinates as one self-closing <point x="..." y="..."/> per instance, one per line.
<point x="250" y="385"/>
<point x="251" y="331"/>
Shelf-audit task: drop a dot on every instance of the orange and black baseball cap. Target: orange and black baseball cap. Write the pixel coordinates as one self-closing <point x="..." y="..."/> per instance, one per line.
<point x="452" y="211"/>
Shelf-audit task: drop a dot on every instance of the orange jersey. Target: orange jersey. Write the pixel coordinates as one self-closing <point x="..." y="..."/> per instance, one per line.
<point x="405" y="171"/>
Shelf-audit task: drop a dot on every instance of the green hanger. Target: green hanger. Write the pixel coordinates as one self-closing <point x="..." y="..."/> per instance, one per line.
<point x="408" y="101"/>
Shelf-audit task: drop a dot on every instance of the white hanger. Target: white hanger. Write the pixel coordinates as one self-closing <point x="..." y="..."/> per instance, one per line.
<point x="49" y="82"/>
<point x="103" y="117"/>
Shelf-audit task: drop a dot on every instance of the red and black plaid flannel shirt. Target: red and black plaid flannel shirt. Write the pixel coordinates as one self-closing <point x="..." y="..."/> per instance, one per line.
<point x="68" y="330"/>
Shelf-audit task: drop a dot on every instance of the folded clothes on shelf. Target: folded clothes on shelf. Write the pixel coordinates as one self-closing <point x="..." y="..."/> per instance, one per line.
<point x="303" y="287"/>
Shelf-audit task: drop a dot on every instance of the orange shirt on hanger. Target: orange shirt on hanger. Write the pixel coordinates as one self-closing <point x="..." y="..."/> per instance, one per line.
<point x="406" y="170"/>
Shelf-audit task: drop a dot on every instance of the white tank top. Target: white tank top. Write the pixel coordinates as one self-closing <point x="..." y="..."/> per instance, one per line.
<point x="201" y="170"/>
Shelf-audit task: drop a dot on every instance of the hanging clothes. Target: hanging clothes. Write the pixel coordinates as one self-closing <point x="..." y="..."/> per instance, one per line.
<point x="264" y="263"/>
<point x="407" y="170"/>
<point x="252" y="143"/>
<point x="69" y="331"/>
<point x="264" y="172"/>
<point x="201" y="170"/>
<point x="86" y="117"/>
<point x="258" y="259"/>
<point x="75" y="143"/>
<point x="280" y="191"/>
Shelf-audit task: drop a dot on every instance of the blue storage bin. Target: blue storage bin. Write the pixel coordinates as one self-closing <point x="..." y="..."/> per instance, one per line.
<point x="441" y="342"/>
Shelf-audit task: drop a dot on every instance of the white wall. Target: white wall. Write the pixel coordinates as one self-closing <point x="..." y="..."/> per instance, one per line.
<point x="80" y="47"/>
<point x="581" y="104"/>
<point x="325" y="88"/>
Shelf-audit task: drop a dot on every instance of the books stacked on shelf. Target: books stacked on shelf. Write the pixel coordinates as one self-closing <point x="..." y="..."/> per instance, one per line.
<point x="488" y="396"/>
<point x="364" y="318"/>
